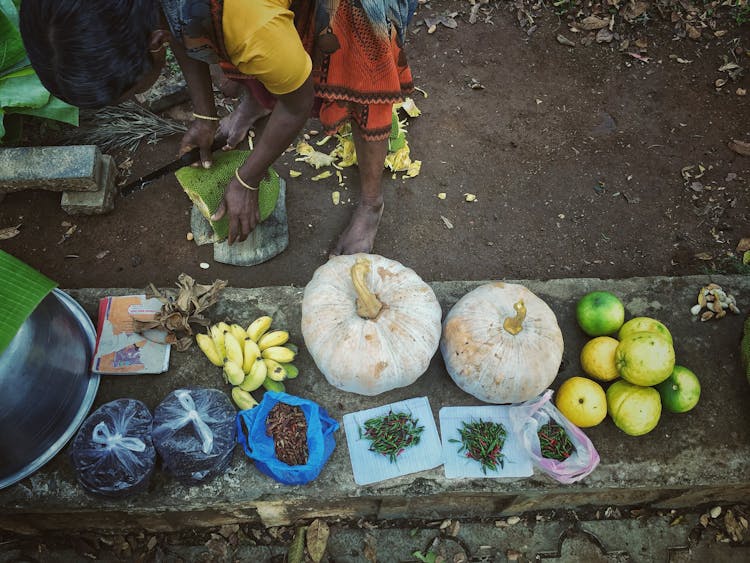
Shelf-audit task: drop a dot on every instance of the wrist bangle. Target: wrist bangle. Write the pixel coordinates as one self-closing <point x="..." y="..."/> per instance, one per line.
<point x="206" y="117"/>
<point x="241" y="181"/>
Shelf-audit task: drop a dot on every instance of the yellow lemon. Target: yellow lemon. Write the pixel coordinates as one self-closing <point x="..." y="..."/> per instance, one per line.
<point x="598" y="358"/>
<point x="582" y="401"/>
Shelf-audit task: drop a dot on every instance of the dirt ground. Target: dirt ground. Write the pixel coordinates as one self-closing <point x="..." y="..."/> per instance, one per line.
<point x="586" y="161"/>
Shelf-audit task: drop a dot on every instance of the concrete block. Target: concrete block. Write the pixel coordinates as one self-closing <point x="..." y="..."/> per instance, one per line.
<point x="71" y="168"/>
<point x="98" y="202"/>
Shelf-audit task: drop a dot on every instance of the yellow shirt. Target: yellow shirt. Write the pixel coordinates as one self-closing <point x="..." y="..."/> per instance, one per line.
<point x="262" y="42"/>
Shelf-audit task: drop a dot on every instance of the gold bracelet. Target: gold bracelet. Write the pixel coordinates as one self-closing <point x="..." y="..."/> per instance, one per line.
<point x="241" y="181"/>
<point x="206" y="117"/>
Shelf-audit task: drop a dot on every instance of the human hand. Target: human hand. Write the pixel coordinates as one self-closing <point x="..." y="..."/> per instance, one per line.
<point x="200" y="134"/>
<point x="242" y="206"/>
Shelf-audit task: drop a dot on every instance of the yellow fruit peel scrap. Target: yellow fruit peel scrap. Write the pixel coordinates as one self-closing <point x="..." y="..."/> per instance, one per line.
<point x="410" y="108"/>
<point x="441" y="195"/>
<point x="345" y="151"/>
<point x="295" y="173"/>
<point x="399" y="160"/>
<point x="470" y="197"/>
<point x="317" y="159"/>
<point x="414" y="169"/>
<point x="304" y="149"/>
<point x="336" y="198"/>
<point x="322" y="176"/>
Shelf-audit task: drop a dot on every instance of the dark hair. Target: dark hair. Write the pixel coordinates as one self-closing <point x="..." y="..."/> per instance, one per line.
<point x="89" y="52"/>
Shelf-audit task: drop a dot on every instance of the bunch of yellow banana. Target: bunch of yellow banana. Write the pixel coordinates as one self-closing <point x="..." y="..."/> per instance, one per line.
<point x="252" y="357"/>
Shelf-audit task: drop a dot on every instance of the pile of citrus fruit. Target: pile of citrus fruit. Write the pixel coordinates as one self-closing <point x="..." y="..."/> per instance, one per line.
<point x="636" y="359"/>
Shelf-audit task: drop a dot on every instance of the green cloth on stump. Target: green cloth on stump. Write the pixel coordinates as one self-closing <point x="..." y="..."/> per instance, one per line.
<point x="205" y="188"/>
<point x="22" y="288"/>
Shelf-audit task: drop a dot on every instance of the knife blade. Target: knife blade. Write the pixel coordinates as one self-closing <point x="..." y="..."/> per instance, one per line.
<point x="186" y="159"/>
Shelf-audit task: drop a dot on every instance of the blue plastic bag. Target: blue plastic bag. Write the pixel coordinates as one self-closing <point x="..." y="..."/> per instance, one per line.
<point x="251" y="433"/>
<point x="113" y="454"/>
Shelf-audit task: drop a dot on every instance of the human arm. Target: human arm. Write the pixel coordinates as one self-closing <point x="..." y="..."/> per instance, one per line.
<point x="286" y="120"/>
<point x="201" y="131"/>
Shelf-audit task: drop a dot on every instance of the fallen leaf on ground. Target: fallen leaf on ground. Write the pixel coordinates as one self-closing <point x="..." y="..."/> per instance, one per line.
<point x="704" y="256"/>
<point x="562" y="40"/>
<point x="370" y="551"/>
<point x="592" y="23"/>
<point x="447" y="222"/>
<point x="317" y="539"/>
<point x="9" y="232"/>
<point x="743" y="245"/>
<point x="640" y="57"/>
<point x="740" y="147"/>
<point x="296" y="553"/>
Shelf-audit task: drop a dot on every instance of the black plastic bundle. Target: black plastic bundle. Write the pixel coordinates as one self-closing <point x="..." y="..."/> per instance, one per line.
<point x="113" y="453"/>
<point x="194" y="433"/>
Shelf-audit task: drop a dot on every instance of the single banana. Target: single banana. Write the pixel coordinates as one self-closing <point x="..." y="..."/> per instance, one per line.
<point x="223" y="327"/>
<point x="233" y="372"/>
<point x="259" y="327"/>
<point x="259" y="370"/>
<point x="238" y="331"/>
<point x="278" y="353"/>
<point x="234" y="348"/>
<point x="243" y="399"/>
<point x="274" y="338"/>
<point x="291" y="371"/>
<point x="254" y="379"/>
<point x="251" y="351"/>
<point x="275" y="370"/>
<point x="206" y="344"/>
<point x="217" y="334"/>
<point x="271" y="385"/>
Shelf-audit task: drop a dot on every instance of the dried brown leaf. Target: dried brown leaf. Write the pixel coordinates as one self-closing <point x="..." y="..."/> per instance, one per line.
<point x="743" y="245"/>
<point x="704" y="256"/>
<point x="734" y="528"/>
<point x="740" y="147"/>
<point x="317" y="539"/>
<point x="9" y="232"/>
<point x="370" y="551"/>
<point x="592" y="23"/>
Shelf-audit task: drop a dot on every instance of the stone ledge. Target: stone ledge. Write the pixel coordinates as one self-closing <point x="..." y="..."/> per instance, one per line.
<point x="688" y="460"/>
<point x="64" y="168"/>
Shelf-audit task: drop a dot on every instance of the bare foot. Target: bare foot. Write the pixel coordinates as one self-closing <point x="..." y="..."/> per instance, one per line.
<point x="359" y="235"/>
<point x="236" y="126"/>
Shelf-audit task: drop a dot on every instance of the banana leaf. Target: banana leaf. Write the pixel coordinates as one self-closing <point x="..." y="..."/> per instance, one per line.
<point x="22" y="288"/>
<point x="21" y="91"/>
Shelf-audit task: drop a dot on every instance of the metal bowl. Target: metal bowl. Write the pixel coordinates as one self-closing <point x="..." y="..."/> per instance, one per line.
<point x="46" y="385"/>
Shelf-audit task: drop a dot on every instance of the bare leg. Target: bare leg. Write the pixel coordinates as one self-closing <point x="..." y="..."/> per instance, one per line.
<point x="359" y="235"/>
<point x="235" y="127"/>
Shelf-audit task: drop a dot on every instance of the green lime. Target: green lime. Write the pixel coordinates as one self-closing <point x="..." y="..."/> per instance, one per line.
<point x="680" y="391"/>
<point x="600" y="313"/>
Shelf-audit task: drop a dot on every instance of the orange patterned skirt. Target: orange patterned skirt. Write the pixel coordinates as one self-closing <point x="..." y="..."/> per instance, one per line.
<point x="359" y="71"/>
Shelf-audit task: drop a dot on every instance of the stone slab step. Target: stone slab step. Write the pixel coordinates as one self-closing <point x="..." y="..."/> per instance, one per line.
<point x="689" y="460"/>
<point x="64" y="168"/>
